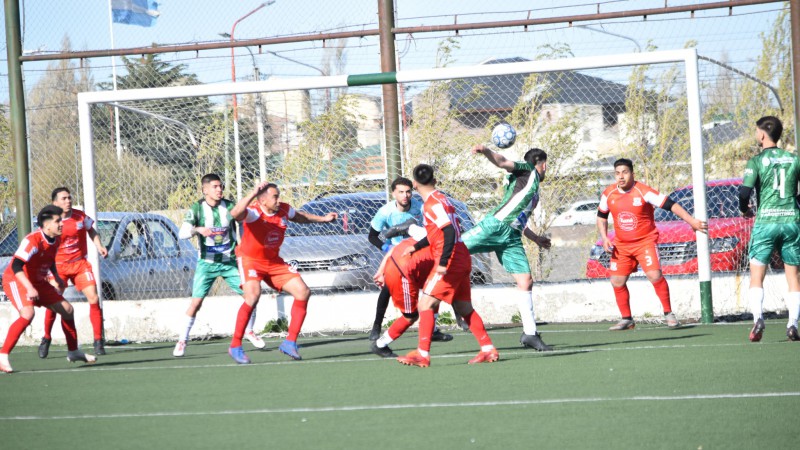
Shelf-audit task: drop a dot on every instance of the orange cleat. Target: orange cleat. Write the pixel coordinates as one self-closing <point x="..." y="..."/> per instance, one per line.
<point x="414" y="359"/>
<point x="485" y="357"/>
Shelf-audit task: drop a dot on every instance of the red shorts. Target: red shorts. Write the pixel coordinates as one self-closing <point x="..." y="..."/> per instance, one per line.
<point x="626" y="257"/>
<point x="275" y="272"/>
<point x="451" y="286"/>
<point x="79" y="272"/>
<point x="16" y="292"/>
<point x="404" y="292"/>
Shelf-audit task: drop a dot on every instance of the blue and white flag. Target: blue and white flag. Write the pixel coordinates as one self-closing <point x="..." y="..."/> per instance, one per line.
<point x="135" y="12"/>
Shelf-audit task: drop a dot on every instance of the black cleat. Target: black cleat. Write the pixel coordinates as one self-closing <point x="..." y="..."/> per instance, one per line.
<point x="438" y="336"/>
<point x="44" y="347"/>
<point x="99" y="347"/>
<point x="383" y="352"/>
<point x="535" y="342"/>
<point x="375" y="334"/>
<point x="757" y="331"/>
<point x="792" y="334"/>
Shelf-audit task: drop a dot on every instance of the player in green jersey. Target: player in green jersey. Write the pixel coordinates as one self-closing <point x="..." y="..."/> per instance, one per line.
<point x="210" y="220"/>
<point x="774" y="174"/>
<point x="502" y="229"/>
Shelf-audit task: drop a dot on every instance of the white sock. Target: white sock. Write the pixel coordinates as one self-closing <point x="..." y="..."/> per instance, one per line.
<point x="251" y="322"/>
<point x="423" y="352"/>
<point x="793" y="304"/>
<point x="756" y="296"/>
<point x="187" y="329"/>
<point x="525" y="305"/>
<point x="384" y="340"/>
<point x="487" y="348"/>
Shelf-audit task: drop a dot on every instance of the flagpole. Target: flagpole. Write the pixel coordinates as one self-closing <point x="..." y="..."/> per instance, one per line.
<point x="114" y="78"/>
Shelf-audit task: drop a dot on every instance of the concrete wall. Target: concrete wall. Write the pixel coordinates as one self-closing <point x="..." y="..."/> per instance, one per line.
<point x="582" y="301"/>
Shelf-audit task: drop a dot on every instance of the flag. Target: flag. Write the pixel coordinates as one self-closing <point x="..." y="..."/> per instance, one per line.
<point x="135" y="12"/>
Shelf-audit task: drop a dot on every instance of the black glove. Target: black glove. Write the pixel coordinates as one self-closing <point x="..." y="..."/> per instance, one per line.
<point x="400" y="229"/>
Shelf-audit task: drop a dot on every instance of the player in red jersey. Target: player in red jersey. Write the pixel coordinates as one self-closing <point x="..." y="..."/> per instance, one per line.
<point x="264" y="225"/>
<point x="449" y="279"/>
<point x="25" y="283"/>
<point x="632" y="205"/>
<point x="72" y="265"/>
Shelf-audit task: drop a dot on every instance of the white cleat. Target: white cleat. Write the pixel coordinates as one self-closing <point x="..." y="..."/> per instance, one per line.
<point x="77" y="355"/>
<point x="255" y="339"/>
<point x="180" y="349"/>
<point x="5" y="366"/>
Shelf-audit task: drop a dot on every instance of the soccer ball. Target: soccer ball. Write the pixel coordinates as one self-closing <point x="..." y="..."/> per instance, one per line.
<point x="504" y="135"/>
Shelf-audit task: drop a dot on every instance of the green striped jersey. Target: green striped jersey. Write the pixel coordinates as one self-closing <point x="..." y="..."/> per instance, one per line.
<point x="520" y="197"/>
<point x="220" y="245"/>
<point x="774" y="173"/>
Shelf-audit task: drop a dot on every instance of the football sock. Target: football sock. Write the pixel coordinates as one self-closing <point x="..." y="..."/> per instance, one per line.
<point x="793" y="304"/>
<point x="14" y="332"/>
<point x="398" y="327"/>
<point x="187" y="328"/>
<point x="49" y="321"/>
<point x="299" y="309"/>
<point x="380" y="308"/>
<point x="96" y="317"/>
<point x="756" y="296"/>
<point x="662" y="291"/>
<point x="425" y="331"/>
<point x="478" y="329"/>
<point x="241" y="321"/>
<point x="70" y="333"/>
<point x="252" y="321"/>
<point x="623" y="297"/>
<point x="525" y="305"/>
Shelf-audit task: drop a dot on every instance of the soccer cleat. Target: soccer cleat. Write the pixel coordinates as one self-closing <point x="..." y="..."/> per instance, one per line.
<point x="535" y="342"/>
<point x="383" y="352"/>
<point x="375" y="334"/>
<point x="99" y="347"/>
<point x="5" y="366"/>
<point x="413" y="358"/>
<point x="44" y="347"/>
<point x="757" y="330"/>
<point x="289" y="348"/>
<point x="438" y="336"/>
<point x="486" y="357"/>
<point x="180" y="349"/>
<point x="791" y="333"/>
<point x="77" y="355"/>
<point x="255" y="339"/>
<point x="624" y="324"/>
<point x="672" y="321"/>
<point x="238" y="355"/>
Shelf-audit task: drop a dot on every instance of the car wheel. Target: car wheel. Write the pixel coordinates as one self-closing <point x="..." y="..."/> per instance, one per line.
<point x="108" y="292"/>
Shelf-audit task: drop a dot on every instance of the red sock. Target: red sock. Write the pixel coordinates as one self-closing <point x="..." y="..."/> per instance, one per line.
<point x="398" y="327"/>
<point x="241" y="323"/>
<point x="14" y="332"/>
<point x="96" y="317"/>
<point x="70" y="333"/>
<point x="299" y="309"/>
<point x="662" y="291"/>
<point x="477" y="328"/>
<point x="623" y="301"/>
<point x="426" y="324"/>
<point x="49" y="321"/>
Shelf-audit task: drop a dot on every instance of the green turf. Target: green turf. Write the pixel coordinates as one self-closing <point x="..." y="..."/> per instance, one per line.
<point x="704" y="386"/>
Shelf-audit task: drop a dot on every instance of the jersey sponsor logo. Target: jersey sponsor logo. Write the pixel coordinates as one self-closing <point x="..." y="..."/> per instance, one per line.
<point x="626" y="221"/>
<point x="218" y="234"/>
<point x="217" y="248"/>
<point x="293" y="265"/>
<point x="748" y="171"/>
<point x="273" y="239"/>
<point x="637" y="201"/>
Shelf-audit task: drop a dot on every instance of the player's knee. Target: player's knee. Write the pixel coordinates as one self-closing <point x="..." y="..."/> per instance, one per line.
<point x="27" y="313"/>
<point x="412" y="317"/>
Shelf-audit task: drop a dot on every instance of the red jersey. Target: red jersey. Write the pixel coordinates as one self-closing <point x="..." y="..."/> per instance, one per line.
<point x="73" y="237"/>
<point x="38" y="254"/>
<point x="633" y="211"/>
<point x="438" y="213"/>
<point x="263" y="233"/>
<point x="416" y="266"/>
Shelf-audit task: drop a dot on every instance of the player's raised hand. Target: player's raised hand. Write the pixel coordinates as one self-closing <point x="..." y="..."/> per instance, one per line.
<point x="479" y="149"/>
<point x="330" y="217"/>
<point x="261" y="186"/>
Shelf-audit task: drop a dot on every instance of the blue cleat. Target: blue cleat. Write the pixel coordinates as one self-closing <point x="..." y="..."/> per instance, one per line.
<point x="237" y="353"/>
<point x="288" y="347"/>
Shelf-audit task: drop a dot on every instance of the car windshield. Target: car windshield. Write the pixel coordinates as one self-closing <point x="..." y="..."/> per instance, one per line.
<point x="723" y="202"/>
<point x="106" y="230"/>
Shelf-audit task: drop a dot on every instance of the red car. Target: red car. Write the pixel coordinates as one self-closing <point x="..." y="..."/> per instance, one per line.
<point x="728" y="231"/>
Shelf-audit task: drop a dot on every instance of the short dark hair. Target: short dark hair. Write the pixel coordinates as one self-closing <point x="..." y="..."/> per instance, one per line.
<point x="624" y="162"/>
<point x="208" y="178"/>
<point x="267" y="187"/>
<point x="401" y="181"/>
<point x="535" y="156"/>
<point x="423" y="174"/>
<point x="57" y="191"/>
<point x="47" y="214"/>
<point x="772" y="126"/>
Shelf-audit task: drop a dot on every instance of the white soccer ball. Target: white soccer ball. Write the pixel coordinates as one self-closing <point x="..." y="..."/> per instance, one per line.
<point x="504" y="135"/>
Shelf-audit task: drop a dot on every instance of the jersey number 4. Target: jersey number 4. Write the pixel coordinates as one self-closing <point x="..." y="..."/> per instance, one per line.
<point x="779" y="180"/>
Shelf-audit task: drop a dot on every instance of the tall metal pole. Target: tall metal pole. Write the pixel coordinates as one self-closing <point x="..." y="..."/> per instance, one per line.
<point x="794" y="17"/>
<point x="19" y="130"/>
<point x="262" y="155"/>
<point x="391" y="122"/>
<point x="114" y="79"/>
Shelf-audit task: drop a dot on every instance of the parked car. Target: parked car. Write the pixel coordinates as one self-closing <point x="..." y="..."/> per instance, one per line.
<point x="582" y="212"/>
<point x="338" y="255"/>
<point x="728" y="232"/>
<point x="146" y="260"/>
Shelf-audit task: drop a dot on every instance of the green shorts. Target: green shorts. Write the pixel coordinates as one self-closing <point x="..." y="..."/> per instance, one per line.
<point x="206" y="274"/>
<point x="492" y="235"/>
<point x="769" y="236"/>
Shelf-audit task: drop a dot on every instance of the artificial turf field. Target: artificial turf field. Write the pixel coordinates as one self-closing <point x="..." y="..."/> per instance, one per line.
<point x="703" y="386"/>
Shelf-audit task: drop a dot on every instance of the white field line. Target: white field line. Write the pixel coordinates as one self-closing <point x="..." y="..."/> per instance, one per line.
<point x="326" y="409"/>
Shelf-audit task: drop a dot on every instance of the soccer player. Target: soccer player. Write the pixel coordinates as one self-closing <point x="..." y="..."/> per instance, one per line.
<point x="25" y="283"/>
<point x="72" y="265"/>
<point x="502" y="229"/>
<point x="774" y="174"/>
<point x="264" y="224"/>
<point x="210" y="220"/>
<point x="402" y="210"/>
<point x="632" y="205"/>
<point x="449" y="279"/>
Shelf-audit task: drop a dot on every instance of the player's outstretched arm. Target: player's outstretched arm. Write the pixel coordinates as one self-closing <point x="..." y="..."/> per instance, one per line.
<point x="495" y="158"/>
<point x="306" y="217"/>
<point x="239" y="212"/>
<point x="542" y="241"/>
<point x="697" y="224"/>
